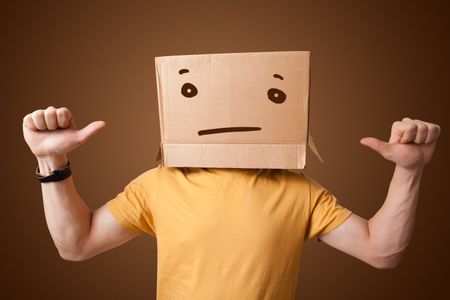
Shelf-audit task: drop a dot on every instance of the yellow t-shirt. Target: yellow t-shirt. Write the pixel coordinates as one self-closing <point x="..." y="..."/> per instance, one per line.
<point x="227" y="233"/>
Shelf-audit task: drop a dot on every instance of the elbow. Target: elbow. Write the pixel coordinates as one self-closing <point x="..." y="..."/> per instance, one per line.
<point x="75" y="252"/>
<point x="386" y="261"/>
<point x="72" y="258"/>
<point x="385" y="264"/>
<point x="386" y="255"/>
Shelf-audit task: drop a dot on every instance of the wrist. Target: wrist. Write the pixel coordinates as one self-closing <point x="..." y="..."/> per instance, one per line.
<point x="408" y="175"/>
<point x="47" y="164"/>
<point x="411" y="170"/>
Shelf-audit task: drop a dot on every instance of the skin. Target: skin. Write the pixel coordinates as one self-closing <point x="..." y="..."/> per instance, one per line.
<point x="79" y="233"/>
<point x="382" y="240"/>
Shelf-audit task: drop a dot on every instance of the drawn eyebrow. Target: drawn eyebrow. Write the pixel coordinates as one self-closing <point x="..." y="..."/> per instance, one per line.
<point x="278" y="76"/>
<point x="182" y="71"/>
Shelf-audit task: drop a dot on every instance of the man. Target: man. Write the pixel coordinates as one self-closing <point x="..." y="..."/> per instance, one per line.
<point x="226" y="233"/>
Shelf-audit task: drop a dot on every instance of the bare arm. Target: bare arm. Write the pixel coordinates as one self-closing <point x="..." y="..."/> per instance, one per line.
<point x="382" y="240"/>
<point x="77" y="232"/>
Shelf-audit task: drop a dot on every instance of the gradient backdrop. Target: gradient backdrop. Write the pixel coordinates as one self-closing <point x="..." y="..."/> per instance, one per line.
<point x="373" y="62"/>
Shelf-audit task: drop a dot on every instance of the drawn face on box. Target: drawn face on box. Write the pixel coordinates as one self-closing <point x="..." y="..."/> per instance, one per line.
<point x="234" y="98"/>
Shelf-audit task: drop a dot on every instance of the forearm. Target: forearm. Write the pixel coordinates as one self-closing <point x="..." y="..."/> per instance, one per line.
<point x="67" y="215"/>
<point x="391" y="227"/>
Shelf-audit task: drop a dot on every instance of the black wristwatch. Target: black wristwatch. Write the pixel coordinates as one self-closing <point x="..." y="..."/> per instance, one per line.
<point x="56" y="175"/>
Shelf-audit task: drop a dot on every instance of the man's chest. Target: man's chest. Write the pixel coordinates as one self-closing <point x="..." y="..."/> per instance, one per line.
<point x="242" y="217"/>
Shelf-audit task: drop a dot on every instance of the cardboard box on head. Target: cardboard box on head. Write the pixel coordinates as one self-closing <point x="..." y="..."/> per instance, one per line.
<point x="234" y="110"/>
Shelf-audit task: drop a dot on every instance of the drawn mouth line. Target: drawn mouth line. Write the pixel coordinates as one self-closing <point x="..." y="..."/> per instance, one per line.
<point x="227" y="129"/>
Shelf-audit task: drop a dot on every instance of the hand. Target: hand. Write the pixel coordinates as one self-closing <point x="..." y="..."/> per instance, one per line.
<point x="52" y="132"/>
<point x="411" y="144"/>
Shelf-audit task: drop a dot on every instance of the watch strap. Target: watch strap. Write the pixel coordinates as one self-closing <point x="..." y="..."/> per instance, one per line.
<point x="56" y="175"/>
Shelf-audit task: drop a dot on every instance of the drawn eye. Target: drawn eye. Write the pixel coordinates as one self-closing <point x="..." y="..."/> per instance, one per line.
<point x="276" y="95"/>
<point x="189" y="90"/>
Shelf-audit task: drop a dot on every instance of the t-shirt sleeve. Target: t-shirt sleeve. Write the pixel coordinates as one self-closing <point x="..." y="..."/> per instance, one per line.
<point x="325" y="211"/>
<point x="132" y="208"/>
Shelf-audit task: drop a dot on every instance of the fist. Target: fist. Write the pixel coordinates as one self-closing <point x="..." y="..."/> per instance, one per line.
<point x="52" y="132"/>
<point x="411" y="144"/>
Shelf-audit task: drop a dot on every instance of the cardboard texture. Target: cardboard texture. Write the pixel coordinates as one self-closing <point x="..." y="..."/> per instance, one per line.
<point x="234" y="110"/>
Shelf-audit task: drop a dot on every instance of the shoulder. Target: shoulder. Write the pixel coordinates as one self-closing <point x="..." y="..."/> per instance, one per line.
<point x="147" y="183"/>
<point x="314" y="188"/>
<point x="157" y="173"/>
<point x="294" y="177"/>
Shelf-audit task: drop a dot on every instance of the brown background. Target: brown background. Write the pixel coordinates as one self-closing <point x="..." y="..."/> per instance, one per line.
<point x="373" y="62"/>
